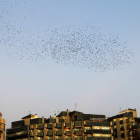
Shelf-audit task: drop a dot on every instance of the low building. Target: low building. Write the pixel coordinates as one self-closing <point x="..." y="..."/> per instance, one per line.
<point x="2" y="128"/>
<point x="65" y="126"/>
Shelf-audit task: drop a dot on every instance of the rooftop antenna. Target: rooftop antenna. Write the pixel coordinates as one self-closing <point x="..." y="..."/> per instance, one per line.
<point x="75" y="106"/>
<point x="120" y="109"/>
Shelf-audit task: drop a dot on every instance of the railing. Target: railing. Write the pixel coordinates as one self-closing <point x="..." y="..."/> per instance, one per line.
<point x="49" y="133"/>
<point x="67" y="124"/>
<point x="98" y="138"/>
<point x="78" y="124"/>
<point x="49" y="126"/>
<point x="78" y="132"/>
<point x="102" y="131"/>
<point x="68" y="138"/>
<point x="58" y="125"/>
<point x="80" y="138"/>
<point x="40" y="134"/>
<point x="58" y="133"/>
<point x="88" y="131"/>
<point x="40" y="126"/>
<point x="68" y="132"/>
<point x="87" y="123"/>
<point x="134" y="126"/>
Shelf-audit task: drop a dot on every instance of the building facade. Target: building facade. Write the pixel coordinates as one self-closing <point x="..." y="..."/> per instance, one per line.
<point x="2" y="128"/>
<point x="77" y="126"/>
<point x="126" y="125"/>
<point x="65" y="126"/>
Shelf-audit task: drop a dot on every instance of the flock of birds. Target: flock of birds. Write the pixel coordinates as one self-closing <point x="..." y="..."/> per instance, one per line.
<point x="84" y="46"/>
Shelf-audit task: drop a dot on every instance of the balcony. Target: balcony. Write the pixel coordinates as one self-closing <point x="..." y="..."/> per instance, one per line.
<point x="23" y="135"/>
<point x="49" y="133"/>
<point x="18" y="129"/>
<point x="133" y="133"/>
<point x="40" y="134"/>
<point x="68" y="132"/>
<point x="58" y="133"/>
<point x="49" y="139"/>
<point x="78" y="138"/>
<point x="49" y="126"/>
<point x="52" y="120"/>
<point x="102" y="131"/>
<point x="78" y="124"/>
<point x="58" y="125"/>
<point x="98" y="138"/>
<point x="134" y="127"/>
<point x="87" y="123"/>
<point x="40" y="126"/>
<point x="68" y="125"/>
<point x="104" y="123"/>
<point x="88" y="131"/>
<point x="69" y="138"/>
<point x="78" y="132"/>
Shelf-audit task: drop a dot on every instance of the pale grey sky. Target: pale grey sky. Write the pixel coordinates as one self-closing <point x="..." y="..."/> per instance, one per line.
<point x="43" y="86"/>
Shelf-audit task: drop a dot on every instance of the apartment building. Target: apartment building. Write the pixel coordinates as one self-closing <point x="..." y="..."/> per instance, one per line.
<point x="126" y="125"/>
<point x="65" y="126"/>
<point x="2" y="128"/>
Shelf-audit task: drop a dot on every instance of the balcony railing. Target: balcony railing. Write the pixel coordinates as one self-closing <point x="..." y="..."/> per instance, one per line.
<point x="58" y="133"/>
<point x="40" y="134"/>
<point x="98" y="138"/>
<point x="49" y="133"/>
<point x="102" y="131"/>
<point x="49" y="126"/>
<point x="80" y="138"/>
<point x="134" y="127"/>
<point x="58" y="125"/>
<point x="78" y="124"/>
<point x="88" y="131"/>
<point x="69" y="138"/>
<point x="87" y="123"/>
<point x="78" y="132"/>
<point x="40" y="126"/>
<point x="68" y="124"/>
<point x="68" y="132"/>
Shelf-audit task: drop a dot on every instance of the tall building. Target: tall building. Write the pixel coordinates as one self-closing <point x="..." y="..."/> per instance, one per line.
<point x="126" y="125"/>
<point x="65" y="126"/>
<point x="2" y="128"/>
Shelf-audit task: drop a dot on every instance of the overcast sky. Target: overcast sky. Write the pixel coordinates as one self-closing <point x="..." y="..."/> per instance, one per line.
<point x="43" y="86"/>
